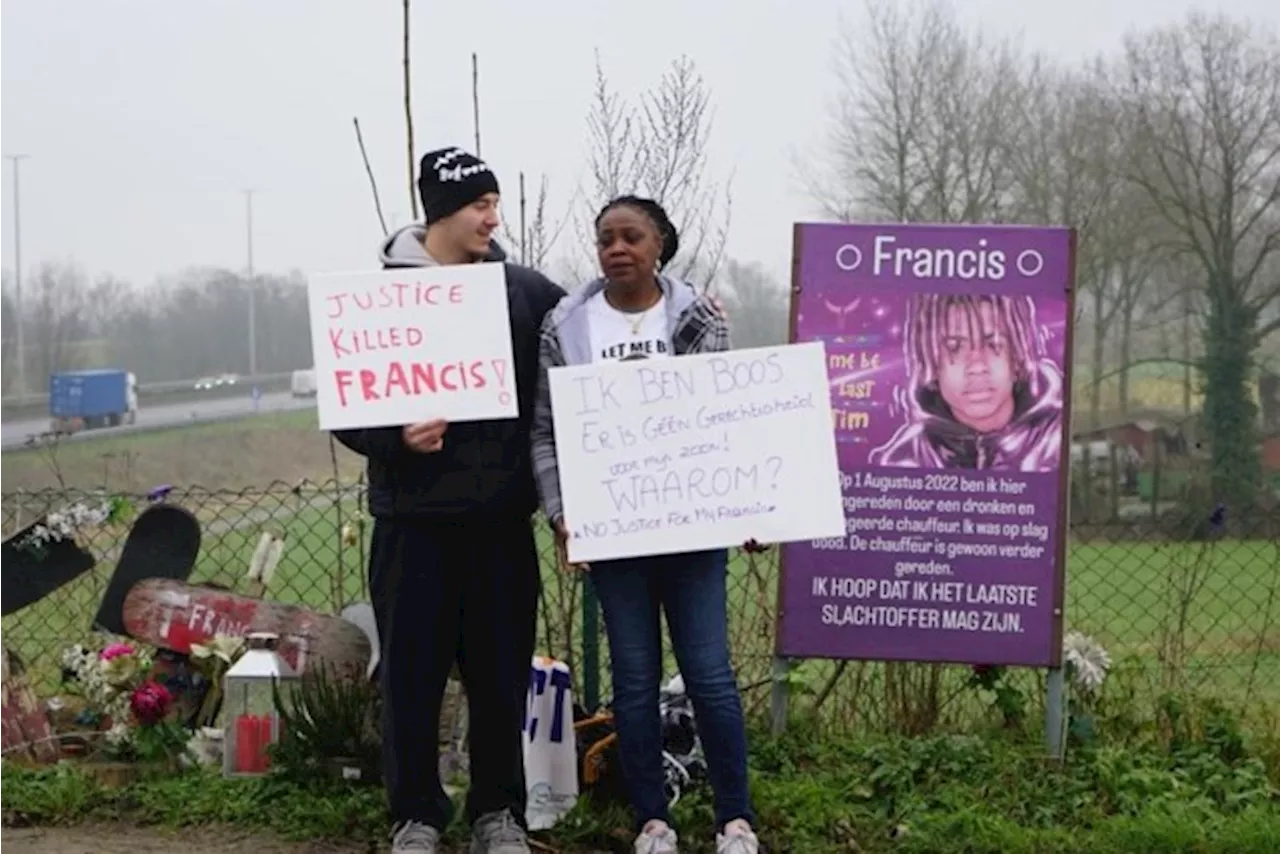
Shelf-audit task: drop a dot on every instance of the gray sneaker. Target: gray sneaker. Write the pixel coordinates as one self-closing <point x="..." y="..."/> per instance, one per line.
<point x="414" y="837"/>
<point x="498" y="833"/>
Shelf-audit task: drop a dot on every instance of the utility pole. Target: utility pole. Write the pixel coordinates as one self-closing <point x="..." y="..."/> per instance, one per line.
<point x="475" y="99"/>
<point x="17" y="159"/>
<point x="253" y="301"/>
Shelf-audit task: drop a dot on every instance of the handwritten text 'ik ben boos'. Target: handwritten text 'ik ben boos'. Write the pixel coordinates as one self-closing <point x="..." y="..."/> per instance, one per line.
<point x="407" y="377"/>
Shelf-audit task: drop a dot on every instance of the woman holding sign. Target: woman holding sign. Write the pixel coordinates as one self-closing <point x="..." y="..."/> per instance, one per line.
<point x="635" y="312"/>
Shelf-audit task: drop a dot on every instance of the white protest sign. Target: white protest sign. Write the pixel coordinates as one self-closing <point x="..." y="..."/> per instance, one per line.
<point x="697" y="452"/>
<point x="550" y="744"/>
<point x="406" y="345"/>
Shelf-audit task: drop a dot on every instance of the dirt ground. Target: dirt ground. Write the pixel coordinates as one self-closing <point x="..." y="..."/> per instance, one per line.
<point x="122" y="839"/>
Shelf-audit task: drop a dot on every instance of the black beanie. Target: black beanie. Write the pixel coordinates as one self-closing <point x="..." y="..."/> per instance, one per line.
<point x="449" y="179"/>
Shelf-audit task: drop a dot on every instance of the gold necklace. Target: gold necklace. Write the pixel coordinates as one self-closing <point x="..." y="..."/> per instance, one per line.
<point x="639" y="316"/>
<point x="639" y="321"/>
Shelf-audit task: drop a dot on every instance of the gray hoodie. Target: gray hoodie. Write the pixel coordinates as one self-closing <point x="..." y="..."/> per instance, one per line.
<point x="404" y="248"/>
<point x="484" y="467"/>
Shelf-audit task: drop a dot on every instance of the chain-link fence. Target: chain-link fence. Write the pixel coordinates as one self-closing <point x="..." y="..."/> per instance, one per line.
<point x="1181" y="606"/>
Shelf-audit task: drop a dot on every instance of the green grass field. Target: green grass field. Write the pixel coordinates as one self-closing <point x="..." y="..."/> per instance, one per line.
<point x="250" y="451"/>
<point x="1125" y="594"/>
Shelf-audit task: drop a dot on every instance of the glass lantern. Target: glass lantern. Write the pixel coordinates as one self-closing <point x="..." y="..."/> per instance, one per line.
<point x="251" y="724"/>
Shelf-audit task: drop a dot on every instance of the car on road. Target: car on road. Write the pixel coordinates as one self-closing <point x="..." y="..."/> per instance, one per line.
<point x="207" y="383"/>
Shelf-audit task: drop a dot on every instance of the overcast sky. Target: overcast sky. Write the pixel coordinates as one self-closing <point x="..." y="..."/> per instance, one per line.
<point x="145" y="121"/>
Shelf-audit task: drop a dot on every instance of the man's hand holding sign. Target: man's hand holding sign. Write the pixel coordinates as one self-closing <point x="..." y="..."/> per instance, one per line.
<point x="426" y="436"/>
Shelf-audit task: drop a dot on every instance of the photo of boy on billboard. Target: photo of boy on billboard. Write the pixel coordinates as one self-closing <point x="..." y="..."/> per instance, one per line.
<point x="981" y="392"/>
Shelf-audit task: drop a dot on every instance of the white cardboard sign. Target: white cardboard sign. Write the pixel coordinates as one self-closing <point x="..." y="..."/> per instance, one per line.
<point x="406" y="345"/>
<point x="697" y="452"/>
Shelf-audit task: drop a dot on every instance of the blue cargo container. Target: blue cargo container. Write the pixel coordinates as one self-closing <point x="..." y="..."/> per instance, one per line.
<point x="88" y="399"/>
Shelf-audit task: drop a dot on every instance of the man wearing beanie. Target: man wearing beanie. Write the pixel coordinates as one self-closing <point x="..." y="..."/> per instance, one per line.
<point x="453" y="566"/>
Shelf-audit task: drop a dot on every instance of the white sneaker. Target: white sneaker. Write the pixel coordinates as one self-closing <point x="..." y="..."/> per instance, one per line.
<point x="738" y="838"/>
<point x="656" y="838"/>
<point x="414" y="837"/>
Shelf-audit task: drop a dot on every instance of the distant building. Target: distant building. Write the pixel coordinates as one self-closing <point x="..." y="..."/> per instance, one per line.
<point x="1143" y="433"/>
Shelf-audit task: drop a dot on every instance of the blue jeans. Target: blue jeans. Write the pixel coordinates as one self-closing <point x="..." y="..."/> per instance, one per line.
<point x="690" y="588"/>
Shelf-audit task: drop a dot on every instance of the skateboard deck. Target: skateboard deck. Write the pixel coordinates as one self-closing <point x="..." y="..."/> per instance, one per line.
<point x="32" y="573"/>
<point x="25" y="730"/>
<point x="164" y="542"/>
<point x="174" y="615"/>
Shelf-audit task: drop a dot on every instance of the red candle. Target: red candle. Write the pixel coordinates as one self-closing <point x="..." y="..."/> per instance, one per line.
<point x="247" y="729"/>
<point x="264" y="741"/>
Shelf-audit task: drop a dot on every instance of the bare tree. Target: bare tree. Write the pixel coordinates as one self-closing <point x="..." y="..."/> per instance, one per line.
<point x="406" y="82"/>
<point x="924" y="122"/>
<point x="757" y="305"/>
<point x="108" y="301"/>
<point x="657" y="147"/>
<point x="1203" y="100"/>
<point x="56" y="308"/>
<point x="532" y="235"/>
<point x="1068" y="170"/>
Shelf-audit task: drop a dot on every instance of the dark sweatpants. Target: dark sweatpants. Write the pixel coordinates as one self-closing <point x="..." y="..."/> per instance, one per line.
<point x="447" y="588"/>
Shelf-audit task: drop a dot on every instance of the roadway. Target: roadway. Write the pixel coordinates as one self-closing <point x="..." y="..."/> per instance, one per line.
<point x="13" y="434"/>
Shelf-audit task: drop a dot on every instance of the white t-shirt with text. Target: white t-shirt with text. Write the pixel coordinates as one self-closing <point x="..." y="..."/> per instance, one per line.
<point x="621" y="336"/>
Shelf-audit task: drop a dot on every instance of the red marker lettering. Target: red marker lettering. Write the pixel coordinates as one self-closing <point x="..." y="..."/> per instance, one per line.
<point x="367" y="381"/>
<point x="343" y="381"/>
<point x="414" y="379"/>
<point x="446" y="374"/>
<point x="477" y="375"/>
<point x="424" y="376"/>
<point x="396" y="377"/>
<point x="350" y="342"/>
<point x="335" y="341"/>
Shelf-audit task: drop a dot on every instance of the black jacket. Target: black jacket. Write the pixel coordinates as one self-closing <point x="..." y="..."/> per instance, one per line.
<point x="484" y="467"/>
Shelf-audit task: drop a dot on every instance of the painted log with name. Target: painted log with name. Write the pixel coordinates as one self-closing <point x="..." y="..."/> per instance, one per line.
<point x="175" y="615"/>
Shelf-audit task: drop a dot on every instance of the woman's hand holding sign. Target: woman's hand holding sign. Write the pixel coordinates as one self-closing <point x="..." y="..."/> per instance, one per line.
<point x="427" y="436"/>
<point x="562" y="548"/>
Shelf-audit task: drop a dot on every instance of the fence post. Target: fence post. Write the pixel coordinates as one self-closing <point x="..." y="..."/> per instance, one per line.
<point x="590" y="648"/>
<point x="779" y="695"/>
<point x="1055" y="713"/>
<point x="1156" y="458"/>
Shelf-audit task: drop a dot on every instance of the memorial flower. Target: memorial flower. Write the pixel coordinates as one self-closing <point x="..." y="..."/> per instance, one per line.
<point x="226" y="648"/>
<point x="106" y="678"/>
<point x="351" y="530"/>
<point x="213" y="659"/>
<point x="119" y="665"/>
<point x="59" y="525"/>
<point x="159" y="493"/>
<point x="124" y="701"/>
<point x="115" y="650"/>
<point x="150" y="702"/>
<point x="1086" y="659"/>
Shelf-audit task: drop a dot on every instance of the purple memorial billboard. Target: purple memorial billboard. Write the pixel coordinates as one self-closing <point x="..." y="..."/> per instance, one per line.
<point x="949" y="359"/>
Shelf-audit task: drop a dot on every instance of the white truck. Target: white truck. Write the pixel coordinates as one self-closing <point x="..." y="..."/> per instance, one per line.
<point x="303" y="383"/>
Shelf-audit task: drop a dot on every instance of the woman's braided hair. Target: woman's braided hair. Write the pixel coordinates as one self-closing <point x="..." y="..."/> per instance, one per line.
<point x="666" y="230"/>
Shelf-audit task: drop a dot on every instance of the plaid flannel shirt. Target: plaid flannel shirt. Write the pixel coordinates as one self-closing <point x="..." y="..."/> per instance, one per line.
<point x="699" y="328"/>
